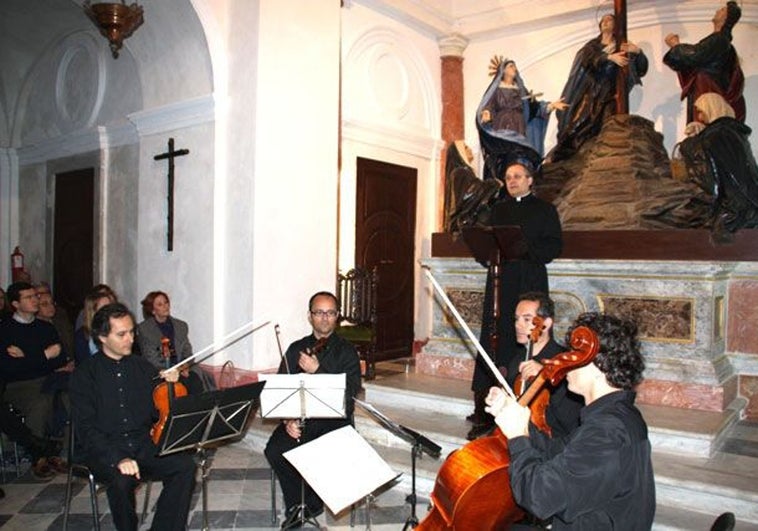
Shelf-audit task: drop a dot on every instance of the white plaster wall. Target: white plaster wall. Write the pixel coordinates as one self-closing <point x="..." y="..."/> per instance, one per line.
<point x="544" y="56"/>
<point x="76" y="85"/>
<point x="186" y="273"/>
<point x="32" y="192"/>
<point x="295" y="144"/>
<point x="391" y="113"/>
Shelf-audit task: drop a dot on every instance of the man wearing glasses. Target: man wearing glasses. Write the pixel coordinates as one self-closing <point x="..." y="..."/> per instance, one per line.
<point x="30" y="350"/>
<point x="322" y="352"/>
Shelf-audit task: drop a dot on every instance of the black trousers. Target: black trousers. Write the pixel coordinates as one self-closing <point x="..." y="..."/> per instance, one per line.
<point x="17" y="431"/>
<point x="175" y="471"/>
<point x="289" y="478"/>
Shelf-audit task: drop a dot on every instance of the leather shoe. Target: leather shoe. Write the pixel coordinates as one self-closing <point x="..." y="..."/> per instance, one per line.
<point x="41" y="470"/>
<point x="58" y="464"/>
<point x="479" y="430"/>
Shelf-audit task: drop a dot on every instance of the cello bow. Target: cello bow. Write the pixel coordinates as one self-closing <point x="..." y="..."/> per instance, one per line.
<point x="483" y="353"/>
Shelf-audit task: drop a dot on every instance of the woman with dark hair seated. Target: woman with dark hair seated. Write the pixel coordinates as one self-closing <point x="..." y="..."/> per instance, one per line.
<point x="164" y="340"/>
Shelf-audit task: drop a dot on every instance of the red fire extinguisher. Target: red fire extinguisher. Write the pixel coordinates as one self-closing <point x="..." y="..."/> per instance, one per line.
<point x="17" y="264"/>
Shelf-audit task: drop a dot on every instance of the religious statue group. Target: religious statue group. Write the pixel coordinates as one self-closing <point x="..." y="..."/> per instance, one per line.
<point x="512" y="122"/>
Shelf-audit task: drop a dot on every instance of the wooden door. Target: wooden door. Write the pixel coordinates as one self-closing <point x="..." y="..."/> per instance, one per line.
<point x="384" y="237"/>
<point x="73" y="238"/>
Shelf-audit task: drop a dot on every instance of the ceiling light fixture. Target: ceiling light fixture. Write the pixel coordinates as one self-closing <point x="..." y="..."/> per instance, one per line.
<point x="115" y="21"/>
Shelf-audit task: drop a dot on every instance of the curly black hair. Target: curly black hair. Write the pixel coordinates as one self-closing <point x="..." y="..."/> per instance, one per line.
<point x="619" y="356"/>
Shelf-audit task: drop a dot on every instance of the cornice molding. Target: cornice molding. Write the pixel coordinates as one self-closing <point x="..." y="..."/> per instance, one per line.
<point x="484" y="20"/>
<point x="173" y="116"/>
<point x="78" y="142"/>
<point x="408" y="142"/>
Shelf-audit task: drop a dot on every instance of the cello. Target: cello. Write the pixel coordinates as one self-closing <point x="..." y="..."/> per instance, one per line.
<point x="462" y="498"/>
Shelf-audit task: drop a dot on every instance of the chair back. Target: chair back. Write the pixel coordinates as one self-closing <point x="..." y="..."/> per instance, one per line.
<point x="356" y="291"/>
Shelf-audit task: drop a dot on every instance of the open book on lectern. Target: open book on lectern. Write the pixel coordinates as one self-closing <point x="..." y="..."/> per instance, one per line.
<point x="303" y="395"/>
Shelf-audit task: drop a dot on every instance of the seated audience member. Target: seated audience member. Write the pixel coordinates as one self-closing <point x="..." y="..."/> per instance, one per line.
<point x="335" y="356"/>
<point x="103" y="289"/>
<point x="113" y="412"/>
<point x="57" y="382"/>
<point x="39" y="449"/>
<point x="601" y="476"/>
<point x="84" y="343"/>
<point x="30" y="351"/>
<point x="161" y="335"/>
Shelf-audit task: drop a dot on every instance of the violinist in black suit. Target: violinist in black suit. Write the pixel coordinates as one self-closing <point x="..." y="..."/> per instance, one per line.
<point x="322" y="352"/>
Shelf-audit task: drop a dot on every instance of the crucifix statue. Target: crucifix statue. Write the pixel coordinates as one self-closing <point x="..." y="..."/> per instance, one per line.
<point x="622" y="88"/>
<point x="171" y="155"/>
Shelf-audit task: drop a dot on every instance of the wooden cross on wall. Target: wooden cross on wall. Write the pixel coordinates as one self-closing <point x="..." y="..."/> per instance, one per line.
<point x="171" y="155"/>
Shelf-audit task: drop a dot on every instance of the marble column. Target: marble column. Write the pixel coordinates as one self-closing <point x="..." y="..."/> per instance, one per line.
<point x="451" y="57"/>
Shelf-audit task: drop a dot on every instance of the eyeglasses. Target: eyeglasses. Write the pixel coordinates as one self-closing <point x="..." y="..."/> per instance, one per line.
<point x="324" y="313"/>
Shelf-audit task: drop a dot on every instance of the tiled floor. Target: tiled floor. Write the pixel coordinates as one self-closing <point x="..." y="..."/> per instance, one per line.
<point x="238" y="498"/>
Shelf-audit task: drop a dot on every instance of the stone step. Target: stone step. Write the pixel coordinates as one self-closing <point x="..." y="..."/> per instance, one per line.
<point x="692" y="432"/>
<point x="691" y="476"/>
<point x="692" y="487"/>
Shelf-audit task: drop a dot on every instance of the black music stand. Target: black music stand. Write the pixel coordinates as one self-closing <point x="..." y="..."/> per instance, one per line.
<point x="490" y="246"/>
<point x="199" y="421"/>
<point x="419" y="444"/>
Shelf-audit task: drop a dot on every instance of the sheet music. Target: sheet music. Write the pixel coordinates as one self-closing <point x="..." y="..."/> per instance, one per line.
<point x="341" y="467"/>
<point x="290" y="396"/>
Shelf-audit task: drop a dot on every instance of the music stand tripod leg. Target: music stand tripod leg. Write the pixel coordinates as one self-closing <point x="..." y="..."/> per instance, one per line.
<point x="298" y="518"/>
<point x="203" y="464"/>
<point x="412" y="520"/>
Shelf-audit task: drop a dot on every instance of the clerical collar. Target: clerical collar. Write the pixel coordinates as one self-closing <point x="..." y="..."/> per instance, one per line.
<point x="521" y="198"/>
<point x="23" y="320"/>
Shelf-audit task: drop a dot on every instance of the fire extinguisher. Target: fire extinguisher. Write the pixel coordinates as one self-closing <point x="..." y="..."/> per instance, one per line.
<point x="17" y="264"/>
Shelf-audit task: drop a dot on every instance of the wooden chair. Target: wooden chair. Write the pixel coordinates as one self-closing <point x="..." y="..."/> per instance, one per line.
<point x="357" y="293"/>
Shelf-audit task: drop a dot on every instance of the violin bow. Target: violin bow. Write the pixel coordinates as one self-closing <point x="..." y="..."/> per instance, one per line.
<point x="467" y="330"/>
<point x="281" y="352"/>
<point x="225" y="346"/>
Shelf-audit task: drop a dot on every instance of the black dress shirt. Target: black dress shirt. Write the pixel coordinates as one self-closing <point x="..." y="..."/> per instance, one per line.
<point x="112" y="406"/>
<point x="601" y="479"/>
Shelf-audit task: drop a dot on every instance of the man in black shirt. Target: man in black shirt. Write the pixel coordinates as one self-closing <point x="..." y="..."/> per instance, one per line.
<point x="113" y="411"/>
<point x="335" y="355"/>
<point x="601" y="476"/>
<point x="562" y="413"/>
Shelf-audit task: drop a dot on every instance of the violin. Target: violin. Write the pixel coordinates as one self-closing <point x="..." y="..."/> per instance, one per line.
<point x="537" y="405"/>
<point x="164" y="394"/>
<point x="538" y="325"/>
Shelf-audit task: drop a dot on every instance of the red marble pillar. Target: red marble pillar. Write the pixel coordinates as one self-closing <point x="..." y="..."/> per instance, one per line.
<point x="451" y="57"/>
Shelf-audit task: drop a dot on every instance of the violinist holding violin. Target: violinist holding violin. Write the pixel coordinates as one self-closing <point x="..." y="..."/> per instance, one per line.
<point x="113" y="413"/>
<point x="322" y="352"/>
<point x="533" y="320"/>
<point x="601" y="476"/>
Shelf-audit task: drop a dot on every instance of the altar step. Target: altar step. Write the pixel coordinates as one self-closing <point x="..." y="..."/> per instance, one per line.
<point x="692" y="486"/>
